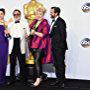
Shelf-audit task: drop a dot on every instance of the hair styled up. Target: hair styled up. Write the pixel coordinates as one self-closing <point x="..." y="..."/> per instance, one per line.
<point x="3" y="10"/>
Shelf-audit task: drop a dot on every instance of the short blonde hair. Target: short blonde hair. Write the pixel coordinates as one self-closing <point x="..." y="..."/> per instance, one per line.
<point x="41" y="9"/>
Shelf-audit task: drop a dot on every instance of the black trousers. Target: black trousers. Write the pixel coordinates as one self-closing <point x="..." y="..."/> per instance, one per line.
<point x="59" y="56"/>
<point x="38" y="55"/>
<point x="16" y="55"/>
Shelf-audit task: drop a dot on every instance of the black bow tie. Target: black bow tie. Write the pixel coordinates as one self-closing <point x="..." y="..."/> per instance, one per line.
<point x="17" y="21"/>
<point x="53" y="21"/>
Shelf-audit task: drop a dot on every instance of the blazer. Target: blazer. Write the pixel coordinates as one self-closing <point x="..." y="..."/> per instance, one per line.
<point x="24" y="29"/>
<point x="58" y="34"/>
<point x="42" y="42"/>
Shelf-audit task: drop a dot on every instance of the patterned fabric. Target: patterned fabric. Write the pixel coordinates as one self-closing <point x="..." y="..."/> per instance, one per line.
<point x="42" y="42"/>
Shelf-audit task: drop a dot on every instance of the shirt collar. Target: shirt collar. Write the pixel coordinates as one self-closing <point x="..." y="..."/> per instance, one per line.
<point x="56" y="18"/>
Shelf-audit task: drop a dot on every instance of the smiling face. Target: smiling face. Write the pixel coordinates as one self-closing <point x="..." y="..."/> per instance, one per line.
<point x="52" y="13"/>
<point x="39" y="15"/>
<point x="16" y="15"/>
<point x="1" y="15"/>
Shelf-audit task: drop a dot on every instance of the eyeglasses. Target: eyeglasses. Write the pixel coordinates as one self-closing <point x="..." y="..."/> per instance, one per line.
<point x="16" y="14"/>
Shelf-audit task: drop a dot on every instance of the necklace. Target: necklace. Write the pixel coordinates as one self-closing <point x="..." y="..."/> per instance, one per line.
<point x="1" y="22"/>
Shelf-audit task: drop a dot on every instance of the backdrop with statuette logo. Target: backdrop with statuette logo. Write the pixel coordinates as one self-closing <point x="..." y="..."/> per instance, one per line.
<point x="76" y="13"/>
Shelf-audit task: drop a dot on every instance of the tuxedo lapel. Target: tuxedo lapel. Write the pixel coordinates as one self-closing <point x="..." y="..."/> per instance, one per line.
<point x="54" y="25"/>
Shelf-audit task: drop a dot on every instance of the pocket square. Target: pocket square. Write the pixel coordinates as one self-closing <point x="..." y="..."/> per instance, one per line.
<point x="54" y="26"/>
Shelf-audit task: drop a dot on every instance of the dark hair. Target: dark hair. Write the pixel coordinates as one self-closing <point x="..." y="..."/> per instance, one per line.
<point x="3" y="10"/>
<point x="17" y="10"/>
<point x="56" y="10"/>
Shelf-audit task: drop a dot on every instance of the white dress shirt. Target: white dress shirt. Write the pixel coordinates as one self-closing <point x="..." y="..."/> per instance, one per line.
<point x="53" y="24"/>
<point x="18" y="30"/>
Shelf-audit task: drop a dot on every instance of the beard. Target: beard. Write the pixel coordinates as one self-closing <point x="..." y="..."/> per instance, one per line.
<point x="52" y="16"/>
<point x="17" y="19"/>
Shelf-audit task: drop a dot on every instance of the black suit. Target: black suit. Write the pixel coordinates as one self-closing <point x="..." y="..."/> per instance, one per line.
<point x="59" y="46"/>
<point x="16" y="53"/>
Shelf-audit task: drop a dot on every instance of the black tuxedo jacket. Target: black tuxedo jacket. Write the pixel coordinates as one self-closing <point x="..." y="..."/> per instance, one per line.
<point x="58" y="34"/>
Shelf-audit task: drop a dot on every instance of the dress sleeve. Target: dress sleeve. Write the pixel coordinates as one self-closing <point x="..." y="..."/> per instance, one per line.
<point x="46" y="28"/>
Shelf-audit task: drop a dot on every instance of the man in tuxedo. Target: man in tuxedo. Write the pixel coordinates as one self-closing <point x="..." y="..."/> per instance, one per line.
<point x="58" y="44"/>
<point x="19" y="30"/>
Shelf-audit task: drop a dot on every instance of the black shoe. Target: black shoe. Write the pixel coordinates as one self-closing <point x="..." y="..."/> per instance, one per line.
<point x="61" y="84"/>
<point x="10" y="82"/>
<point x="3" y="84"/>
<point x="44" y="77"/>
<point x="30" y="81"/>
<point x="18" y="78"/>
<point x="54" y="83"/>
<point x="24" y="83"/>
<point x="58" y="83"/>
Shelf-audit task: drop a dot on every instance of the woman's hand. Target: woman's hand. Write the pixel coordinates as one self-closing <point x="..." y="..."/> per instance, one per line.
<point x="32" y="32"/>
<point x="6" y="31"/>
<point x="9" y="21"/>
<point x="39" y="34"/>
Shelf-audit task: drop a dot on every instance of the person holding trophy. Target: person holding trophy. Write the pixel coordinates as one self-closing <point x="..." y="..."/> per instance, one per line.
<point x="4" y="35"/>
<point x="40" y="43"/>
<point x="29" y="12"/>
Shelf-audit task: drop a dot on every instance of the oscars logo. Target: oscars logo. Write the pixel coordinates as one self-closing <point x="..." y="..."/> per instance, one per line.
<point x="85" y="42"/>
<point x="86" y="7"/>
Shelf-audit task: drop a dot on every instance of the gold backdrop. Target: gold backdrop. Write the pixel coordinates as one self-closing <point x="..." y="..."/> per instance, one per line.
<point x="29" y="13"/>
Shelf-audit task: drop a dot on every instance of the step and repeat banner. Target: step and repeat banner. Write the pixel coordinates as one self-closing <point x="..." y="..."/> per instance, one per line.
<point x="76" y="13"/>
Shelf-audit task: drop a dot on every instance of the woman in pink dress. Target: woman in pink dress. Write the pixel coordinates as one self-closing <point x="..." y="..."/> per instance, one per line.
<point x="40" y="43"/>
